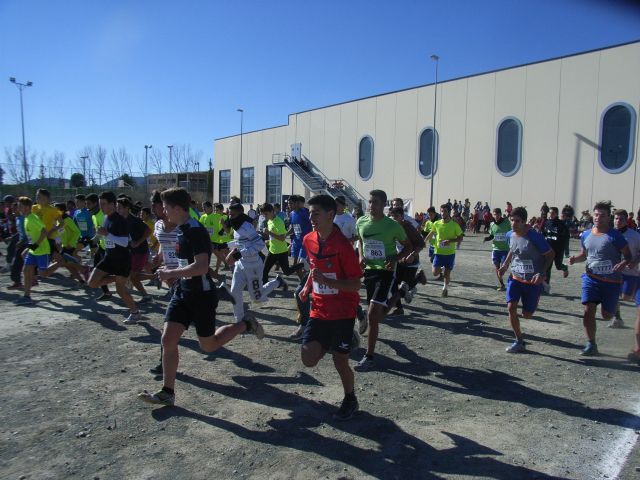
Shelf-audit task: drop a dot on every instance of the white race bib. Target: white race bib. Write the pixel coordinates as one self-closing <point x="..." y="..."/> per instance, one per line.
<point x="442" y="244"/>
<point x="374" y="250"/>
<point x="602" y="267"/>
<point x="323" y="289"/>
<point x="109" y="243"/>
<point x="522" y="267"/>
<point x="297" y="229"/>
<point x="500" y="237"/>
<point x="83" y="225"/>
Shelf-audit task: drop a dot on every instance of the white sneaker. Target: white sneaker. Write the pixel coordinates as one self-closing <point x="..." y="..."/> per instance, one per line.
<point x="133" y="318"/>
<point x="256" y="328"/>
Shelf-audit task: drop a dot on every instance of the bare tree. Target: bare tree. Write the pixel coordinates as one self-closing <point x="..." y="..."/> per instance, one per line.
<point x="20" y="172"/>
<point x="100" y="161"/>
<point x="185" y="158"/>
<point x="56" y="167"/>
<point x="120" y="162"/>
<point x="155" y="159"/>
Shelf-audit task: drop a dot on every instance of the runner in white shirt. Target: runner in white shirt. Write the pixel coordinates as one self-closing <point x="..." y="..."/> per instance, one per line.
<point x="345" y="221"/>
<point x="399" y="203"/>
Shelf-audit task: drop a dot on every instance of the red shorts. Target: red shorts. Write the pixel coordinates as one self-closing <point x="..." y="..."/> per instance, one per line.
<point x="139" y="261"/>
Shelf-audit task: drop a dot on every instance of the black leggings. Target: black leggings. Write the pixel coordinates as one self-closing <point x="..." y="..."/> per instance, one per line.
<point x="558" y="258"/>
<point x="281" y="259"/>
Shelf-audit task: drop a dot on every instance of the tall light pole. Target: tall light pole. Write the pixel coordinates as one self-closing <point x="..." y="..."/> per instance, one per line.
<point x="84" y="168"/>
<point x="146" y="168"/>
<point x="22" y="86"/>
<point x="170" y="147"/>
<point x="433" y="138"/>
<point x="241" y="122"/>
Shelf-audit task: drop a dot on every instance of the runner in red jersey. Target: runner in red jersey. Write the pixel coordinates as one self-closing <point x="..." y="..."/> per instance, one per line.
<point x="333" y="284"/>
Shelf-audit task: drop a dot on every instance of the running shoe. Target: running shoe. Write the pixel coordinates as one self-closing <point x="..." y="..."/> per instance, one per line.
<point x="133" y="318"/>
<point x="634" y="356"/>
<point x="445" y="292"/>
<point x="24" y="301"/>
<point x="589" y="349"/>
<point x="501" y="288"/>
<point x="565" y="273"/>
<point x="16" y="286"/>
<point x="546" y="287"/>
<point x="616" y="323"/>
<point x="407" y="293"/>
<point x="297" y="335"/>
<point x="145" y="299"/>
<point x="421" y="277"/>
<point x="255" y="327"/>
<point x="157" y="370"/>
<point x="363" y="322"/>
<point x="364" y="365"/>
<point x="347" y="409"/>
<point x="516" y="347"/>
<point x="282" y="283"/>
<point x="104" y="296"/>
<point x="224" y="294"/>
<point x="159" y="398"/>
<point x="397" y="311"/>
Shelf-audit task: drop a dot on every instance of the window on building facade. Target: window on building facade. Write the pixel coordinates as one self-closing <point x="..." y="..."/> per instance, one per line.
<point x="246" y="185"/>
<point x="365" y="158"/>
<point x="427" y="151"/>
<point x="224" y="187"/>
<point x="509" y="146"/>
<point x="617" y="137"/>
<point x="274" y="184"/>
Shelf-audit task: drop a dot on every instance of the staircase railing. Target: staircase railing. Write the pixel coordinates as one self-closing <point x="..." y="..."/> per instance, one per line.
<point x="316" y="181"/>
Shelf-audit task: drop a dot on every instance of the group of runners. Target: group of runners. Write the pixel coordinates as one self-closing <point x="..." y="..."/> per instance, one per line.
<point x="334" y="255"/>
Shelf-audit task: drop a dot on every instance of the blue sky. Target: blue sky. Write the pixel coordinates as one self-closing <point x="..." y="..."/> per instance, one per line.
<point x="130" y="73"/>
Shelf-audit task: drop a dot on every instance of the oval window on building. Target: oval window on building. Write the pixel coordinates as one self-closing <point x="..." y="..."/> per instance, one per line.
<point x="427" y="150"/>
<point x="617" y="136"/>
<point x="365" y="158"/>
<point x="509" y="146"/>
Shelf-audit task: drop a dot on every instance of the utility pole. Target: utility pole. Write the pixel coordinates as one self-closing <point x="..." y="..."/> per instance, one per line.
<point x="22" y="86"/>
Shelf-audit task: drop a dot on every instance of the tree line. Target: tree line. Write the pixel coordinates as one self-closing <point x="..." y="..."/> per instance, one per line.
<point x="94" y="164"/>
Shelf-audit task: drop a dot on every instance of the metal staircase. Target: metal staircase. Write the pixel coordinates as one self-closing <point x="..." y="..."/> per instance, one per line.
<point x="316" y="181"/>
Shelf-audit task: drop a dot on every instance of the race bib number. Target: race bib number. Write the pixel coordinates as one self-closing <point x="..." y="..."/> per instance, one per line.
<point x="109" y="243"/>
<point x="443" y="244"/>
<point x="500" y="237"/>
<point x="374" y="250"/>
<point x="602" y="267"/>
<point x="83" y="225"/>
<point x="522" y="267"/>
<point x="297" y="230"/>
<point x="319" y="289"/>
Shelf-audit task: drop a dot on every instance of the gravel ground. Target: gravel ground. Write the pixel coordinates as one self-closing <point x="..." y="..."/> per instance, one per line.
<point x="446" y="401"/>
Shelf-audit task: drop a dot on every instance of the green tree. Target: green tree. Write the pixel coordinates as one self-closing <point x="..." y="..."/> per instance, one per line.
<point x="77" y="180"/>
<point x="128" y="180"/>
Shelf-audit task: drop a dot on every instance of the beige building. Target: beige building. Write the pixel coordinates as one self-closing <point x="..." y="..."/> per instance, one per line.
<point x="197" y="183"/>
<point x="562" y="131"/>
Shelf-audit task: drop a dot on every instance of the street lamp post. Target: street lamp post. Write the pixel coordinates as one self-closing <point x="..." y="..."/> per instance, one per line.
<point x="146" y="168"/>
<point x="170" y="147"/>
<point x="241" y="124"/>
<point x="84" y="168"/>
<point x="433" y="138"/>
<point x="22" y="86"/>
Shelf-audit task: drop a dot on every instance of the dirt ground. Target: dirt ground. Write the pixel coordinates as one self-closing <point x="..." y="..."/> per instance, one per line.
<point x="446" y="401"/>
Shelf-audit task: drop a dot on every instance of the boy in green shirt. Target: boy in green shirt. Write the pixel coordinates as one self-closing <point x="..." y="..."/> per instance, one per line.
<point x="447" y="234"/>
<point x="36" y="255"/>
<point x="499" y="245"/>
<point x="278" y="247"/>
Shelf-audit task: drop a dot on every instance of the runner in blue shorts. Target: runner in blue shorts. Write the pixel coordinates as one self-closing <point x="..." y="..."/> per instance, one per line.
<point x="631" y="274"/>
<point x="529" y="257"/>
<point x="300" y="225"/>
<point x="447" y="234"/>
<point x="602" y="248"/>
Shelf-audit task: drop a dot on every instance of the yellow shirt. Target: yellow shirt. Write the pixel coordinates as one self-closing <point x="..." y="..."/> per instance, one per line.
<point x="153" y="241"/>
<point x="49" y="216"/>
